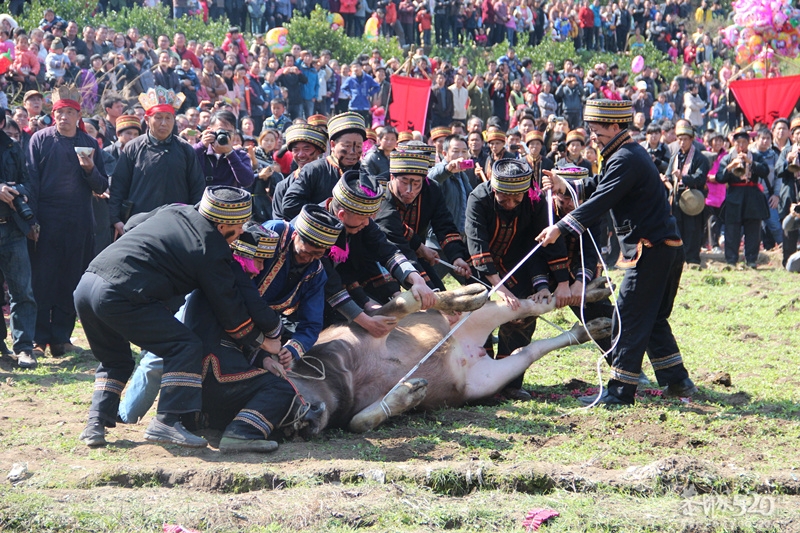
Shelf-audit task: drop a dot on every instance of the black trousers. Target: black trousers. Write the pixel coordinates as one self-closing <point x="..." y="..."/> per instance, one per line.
<point x="646" y="296"/>
<point x="691" y="229"/>
<point x="247" y="405"/>
<point x="112" y="321"/>
<point x="752" y="240"/>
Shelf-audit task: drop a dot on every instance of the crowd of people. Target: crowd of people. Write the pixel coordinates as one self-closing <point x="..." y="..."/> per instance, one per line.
<point x="119" y="135"/>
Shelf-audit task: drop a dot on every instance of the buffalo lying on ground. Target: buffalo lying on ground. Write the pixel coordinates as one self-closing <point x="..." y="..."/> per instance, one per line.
<point x="344" y="379"/>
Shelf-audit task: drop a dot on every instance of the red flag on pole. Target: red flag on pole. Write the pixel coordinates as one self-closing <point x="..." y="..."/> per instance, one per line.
<point x="765" y="99"/>
<point x="409" y="107"/>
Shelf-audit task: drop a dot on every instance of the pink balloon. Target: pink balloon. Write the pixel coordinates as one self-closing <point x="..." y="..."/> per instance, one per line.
<point x="637" y="64"/>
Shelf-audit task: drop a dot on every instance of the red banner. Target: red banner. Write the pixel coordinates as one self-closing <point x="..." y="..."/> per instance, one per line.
<point x="764" y="100"/>
<point x="409" y="107"/>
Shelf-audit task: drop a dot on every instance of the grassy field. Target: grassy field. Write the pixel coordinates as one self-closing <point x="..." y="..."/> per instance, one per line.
<point x="726" y="461"/>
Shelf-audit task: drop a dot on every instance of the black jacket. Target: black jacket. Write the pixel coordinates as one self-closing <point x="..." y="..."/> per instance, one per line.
<point x="13" y="170"/>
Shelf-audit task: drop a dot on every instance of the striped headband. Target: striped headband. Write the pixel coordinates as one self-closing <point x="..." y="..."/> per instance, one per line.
<point x="684" y="129"/>
<point x="128" y="121"/>
<point x="318" y="226"/>
<point x="409" y="163"/>
<point x="576" y="135"/>
<point x="611" y="111"/>
<point x="511" y="176"/>
<point x="320" y="121"/>
<point x="438" y="132"/>
<point x="404" y="136"/>
<point x="572" y="173"/>
<point x="495" y="136"/>
<point x="305" y="133"/>
<point x="226" y="205"/>
<point x="355" y="196"/>
<point x="534" y="135"/>
<point x="256" y="242"/>
<point x="346" y="123"/>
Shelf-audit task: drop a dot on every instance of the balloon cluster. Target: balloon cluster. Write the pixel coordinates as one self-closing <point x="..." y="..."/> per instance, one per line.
<point x="761" y="29"/>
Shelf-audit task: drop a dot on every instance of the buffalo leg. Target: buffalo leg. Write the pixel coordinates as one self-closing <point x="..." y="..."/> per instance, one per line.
<point x="407" y="396"/>
<point x="466" y="298"/>
<point x="487" y="376"/>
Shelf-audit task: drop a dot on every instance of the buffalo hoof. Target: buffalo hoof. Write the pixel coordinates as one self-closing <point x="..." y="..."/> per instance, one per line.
<point x="599" y="328"/>
<point x="407" y="396"/>
<point x="313" y="422"/>
<point x="598" y="290"/>
<point x="468" y="298"/>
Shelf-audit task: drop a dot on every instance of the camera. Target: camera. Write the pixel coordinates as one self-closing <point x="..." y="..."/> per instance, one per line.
<point x="22" y="207"/>
<point x="562" y="147"/>
<point x="222" y="138"/>
<point x="796" y="209"/>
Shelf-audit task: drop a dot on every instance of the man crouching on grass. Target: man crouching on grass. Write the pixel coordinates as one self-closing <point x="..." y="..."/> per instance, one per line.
<point x="131" y="291"/>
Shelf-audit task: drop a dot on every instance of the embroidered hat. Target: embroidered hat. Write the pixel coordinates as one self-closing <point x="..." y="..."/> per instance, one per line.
<point x="576" y="135"/>
<point x="160" y="100"/>
<point x="609" y="111"/>
<point x="226" y="205"/>
<point x="125" y="122"/>
<point x="355" y="196"/>
<point x="684" y="129"/>
<point x="495" y="136"/>
<point x="439" y="132"/>
<point x="511" y="176"/>
<point x="571" y="173"/>
<point x="318" y="226"/>
<point x="404" y="136"/>
<point x="346" y="123"/>
<point x="310" y="134"/>
<point x="372" y="135"/>
<point x="402" y="162"/>
<point x="256" y="242"/>
<point x="534" y="135"/>
<point x="419" y="147"/>
<point x="320" y="121"/>
<point x="795" y="122"/>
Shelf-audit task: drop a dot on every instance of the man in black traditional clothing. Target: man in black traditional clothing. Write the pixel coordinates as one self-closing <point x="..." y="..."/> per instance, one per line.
<point x="131" y="291"/>
<point x="353" y="264"/>
<point x="413" y="206"/>
<point x="306" y="143"/>
<point x="631" y="187"/>
<point x="504" y="215"/>
<point x="316" y="180"/>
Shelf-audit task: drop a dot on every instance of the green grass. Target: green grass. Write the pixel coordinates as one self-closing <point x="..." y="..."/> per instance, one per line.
<point x="479" y="468"/>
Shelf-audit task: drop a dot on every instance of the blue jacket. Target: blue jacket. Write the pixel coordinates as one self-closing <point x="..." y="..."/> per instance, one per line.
<point x="311" y="87"/>
<point x="303" y="301"/>
<point x="360" y="91"/>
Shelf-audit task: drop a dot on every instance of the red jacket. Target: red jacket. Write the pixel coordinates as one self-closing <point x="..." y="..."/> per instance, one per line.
<point x="586" y="17"/>
<point x="348" y="7"/>
<point x="391" y="14"/>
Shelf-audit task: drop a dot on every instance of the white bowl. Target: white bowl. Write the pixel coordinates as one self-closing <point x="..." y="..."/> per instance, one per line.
<point x="82" y="150"/>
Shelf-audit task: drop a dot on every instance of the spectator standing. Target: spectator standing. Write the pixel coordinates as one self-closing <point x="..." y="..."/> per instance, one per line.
<point x="14" y="263"/>
<point x="62" y="183"/>
<point x="154" y="169"/>
<point x="361" y="87"/>
<point x="311" y="85"/>
<point x="293" y="80"/>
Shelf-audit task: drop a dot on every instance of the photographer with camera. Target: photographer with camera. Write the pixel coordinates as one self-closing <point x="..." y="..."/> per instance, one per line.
<point x="222" y="163"/>
<point x="17" y="221"/>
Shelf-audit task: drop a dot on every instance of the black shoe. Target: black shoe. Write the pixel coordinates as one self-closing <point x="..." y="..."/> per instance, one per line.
<point x="174" y="434"/>
<point x="239" y="445"/>
<point x="60" y="350"/>
<point x="605" y="400"/>
<point x="94" y="434"/>
<point x="682" y="389"/>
